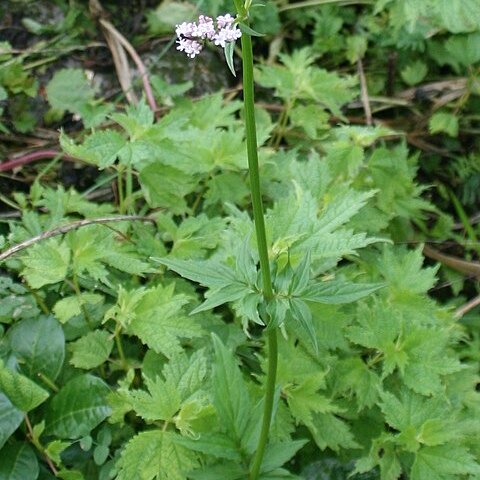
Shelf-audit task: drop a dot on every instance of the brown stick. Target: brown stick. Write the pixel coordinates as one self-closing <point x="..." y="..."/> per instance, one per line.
<point x="70" y="226"/>
<point x="461" y="311"/>
<point x="364" y="93"/>
<point x="136" y="58"/>
<point x="458" y="264"/>
<point x="32" y="157"/>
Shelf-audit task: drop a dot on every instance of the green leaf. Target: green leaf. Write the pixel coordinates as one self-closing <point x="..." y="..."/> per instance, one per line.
<point x="155" y="454"/>
<point x="444" y="122"/>
<point x="222" y="471"/>
<point x="18" y="462"/>
<point x="301" y="313"/>
<point x="231" y="398"/>
<point x="443" y="463"/>
<point x="69" y="307"/>
<point x="337" y="291"/>
<point x="91" y="350"/>
<point x="69" y="90"/>
<point x="229" y="293"/>
<point x="249" y="31"/>
<point x="54" y="450"/>
<point x="72" y="414"/>
<point x="101" y="148"/>
<point x="330" y="431"/>
<point x="165" y="186"/>
<point x="229" y="51"/>
<point x="402" y="269"/>
<point x="208" y="273"/>
<point x="459" y="15"/>
<point x="161" y="402"/>
<point x="414" y="73"/>
<point x="21" y="391"/>
<point x="277" y="454"/>
<point x="45" y="263"/>
<point x="160" y="322"/>
<point x="217" y="444"/>
<point x="39" y="346"/>
<point x="10" y="418"/>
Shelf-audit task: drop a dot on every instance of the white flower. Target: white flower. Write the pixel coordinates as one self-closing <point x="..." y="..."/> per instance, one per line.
<point x="225" y="21"/>
<point x="192" y="35"/>
<point x="227" y="35"/>
<point x="206" y="27"/>
<point x="190" y="47"/>
<point x="186" y="30"/>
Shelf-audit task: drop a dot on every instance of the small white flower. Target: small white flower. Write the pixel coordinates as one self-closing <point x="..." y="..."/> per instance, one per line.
<point x="206" y="27"/>
<point x="190" y="47"/>
<point x="227" y="35"/>
<point x="186" y="29"/>
<point x="192" y="35"/>
<point x="225" y="21"/>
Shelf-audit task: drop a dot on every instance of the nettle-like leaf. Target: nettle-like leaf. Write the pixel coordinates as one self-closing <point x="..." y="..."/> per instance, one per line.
<point x="155" y="454"/>
<point x="158" y="319"/>
<point x="224" y="284"/>
<point x="297" y="78"/>
<point x="46" y="263"/>
<point x="303" y="384"/>
<point x="91" y="350"/>
<point x="177" y="396"/>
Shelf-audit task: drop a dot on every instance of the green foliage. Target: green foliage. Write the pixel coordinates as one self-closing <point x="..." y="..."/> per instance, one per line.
<point x="136" y="347"/>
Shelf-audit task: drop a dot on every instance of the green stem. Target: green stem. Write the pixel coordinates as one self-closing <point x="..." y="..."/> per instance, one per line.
<point x="118" y="343"/>
<point x="251" y="134"/>
<point x="121" y="199"/>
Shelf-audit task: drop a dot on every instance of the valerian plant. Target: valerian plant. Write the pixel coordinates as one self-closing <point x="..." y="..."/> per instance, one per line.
<point x="253" y="316"/>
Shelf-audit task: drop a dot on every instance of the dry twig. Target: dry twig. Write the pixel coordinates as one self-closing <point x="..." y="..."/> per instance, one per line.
<point x="70" y="226"/>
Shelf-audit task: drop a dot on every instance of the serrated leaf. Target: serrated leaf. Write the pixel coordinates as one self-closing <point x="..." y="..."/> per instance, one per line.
<point x="277" y="454"/>
<point x="54" y="450"/>
<point x="443" y="122"/>
<point x="165" y="186"/>
<point x="155" y="454"/>
<point x="91" y="350"/>
<point x="443" y="463"/>
<point x="161" y="402"/>
<point x="333" y="432"/>
<point x="231" y="398"/>
<point x="228" y="293"/>
<point x="337" y="292"/>
<point x="20" y="390"/>
<point x="208" y="273"/>
<point x="69" y="307"/>
<point x="459" y="15"/>
<point x="69" y="90"/>
<point x="73" y="415"/>
<point x="217" y="444"/>
<point x="160" y="322"/>
<point x="39" y="346"/>
<point x="301" y="313"/>
<point x="18" y="462"/>
<point x="45" y="263"/>
<point x="101" y="148"/>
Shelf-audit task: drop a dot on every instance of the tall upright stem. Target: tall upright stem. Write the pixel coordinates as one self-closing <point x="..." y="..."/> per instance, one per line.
<point x="251" y="134"/>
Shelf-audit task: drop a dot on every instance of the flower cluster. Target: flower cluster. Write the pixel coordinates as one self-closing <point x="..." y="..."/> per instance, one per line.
<point x="192" y="35"/>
